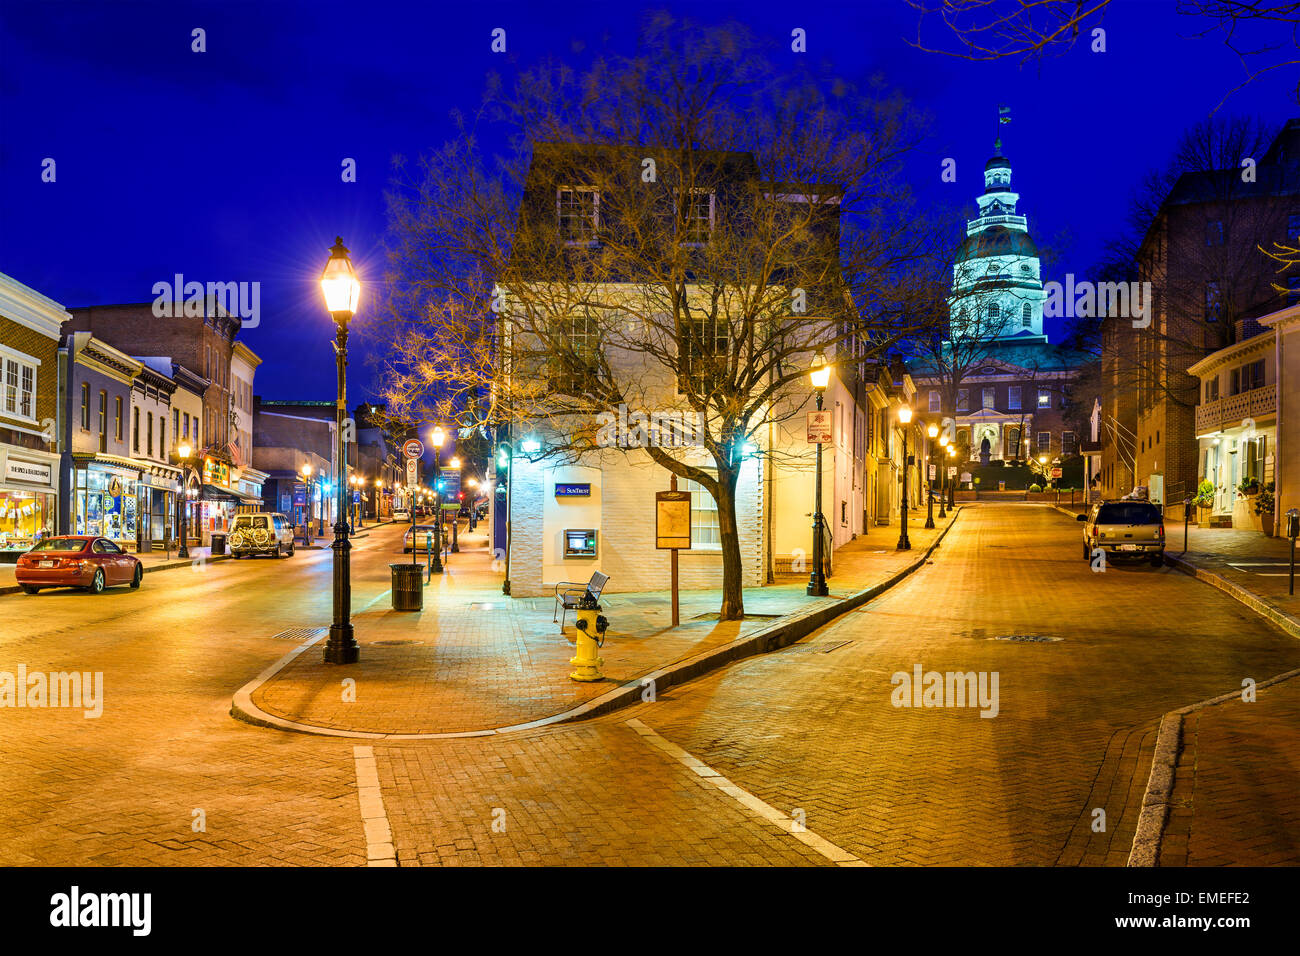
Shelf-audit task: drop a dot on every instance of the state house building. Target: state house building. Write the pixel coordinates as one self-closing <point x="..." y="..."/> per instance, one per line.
<point x="997" y="375"/>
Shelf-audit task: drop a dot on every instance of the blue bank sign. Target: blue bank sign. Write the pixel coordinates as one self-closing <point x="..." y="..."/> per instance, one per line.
<point x="573" y="491"/>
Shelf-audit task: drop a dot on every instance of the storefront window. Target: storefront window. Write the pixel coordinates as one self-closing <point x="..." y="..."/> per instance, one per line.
<point x="106" y="503"/>
<point x="25" y="518"/>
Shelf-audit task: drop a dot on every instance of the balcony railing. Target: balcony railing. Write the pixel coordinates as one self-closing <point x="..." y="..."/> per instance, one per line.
<point x="1232" y="410"/>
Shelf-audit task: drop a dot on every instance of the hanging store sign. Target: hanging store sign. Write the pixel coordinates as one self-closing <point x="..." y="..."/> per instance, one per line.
<point x="27" y="471"/>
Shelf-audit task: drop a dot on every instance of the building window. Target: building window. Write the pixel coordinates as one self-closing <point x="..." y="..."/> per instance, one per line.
<point x="1253" y="375"/>
<point x="1067" y="443"/>
<point x="577" y="213"/>
<point x="1212" y="389"/>
<point x="989" y="398"/>
<point x="1213" y="302"/>
<point x="995" y="312"/>
<point x="19" y="388"/>
<point x="103" y="415"/>
<point x="1234" y="382"/>
<point x="577" y="343"/>
<point x="963" y="399"/>
<point x="85" y="406"/>
<point x="1293" y="225"/>
<point x="1013" y="398"/>
<point x="1026" y="315"/>
<point x="934" y="400"/>
<point x="149" y="434"/>
<point x="1044" y="398"/>
<point x="117" y="418"/>
<point x="1044" y="442"/>
<point x="1013" y="442"/>
<point x="176" y="421"/>
<point x="697" y="217"/>
<point x="705" y="532"/>
<point x="706" y="340"/>
<point x="1214" y="233"/>
<point x="162" y="436"/>
<point x="135" y="429"/>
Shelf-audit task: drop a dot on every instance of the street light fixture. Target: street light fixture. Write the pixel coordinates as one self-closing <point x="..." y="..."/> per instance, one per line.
<point x="306" y="534"/>
<point x="932" y="431"/>
<point x="905" y="419"/>
<point x="820" y="376"/>
<point x="944" y="453"/>
<point x="342" y="291"/>
<point x="183" y="453"/>
<point x="437" y="438"/>
<point x="952" y="485"/>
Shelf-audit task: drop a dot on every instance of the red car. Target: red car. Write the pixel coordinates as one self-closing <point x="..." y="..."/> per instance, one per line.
<point x="77" y="561"/>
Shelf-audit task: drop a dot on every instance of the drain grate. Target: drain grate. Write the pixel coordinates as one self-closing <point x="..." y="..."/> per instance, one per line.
<point x="393" y="643"/>
<point x="819" y="648"/>
<point x="298" y="634"/>
<point x="1029" y="638"/>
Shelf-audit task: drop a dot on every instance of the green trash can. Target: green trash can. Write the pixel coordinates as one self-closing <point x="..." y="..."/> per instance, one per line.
<point x="408" y="587"/>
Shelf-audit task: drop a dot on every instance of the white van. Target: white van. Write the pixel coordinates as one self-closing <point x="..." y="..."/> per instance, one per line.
<point x="263" y="532"/>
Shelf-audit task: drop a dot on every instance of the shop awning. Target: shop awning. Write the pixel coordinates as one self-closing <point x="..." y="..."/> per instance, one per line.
<point x="217" y="493"/>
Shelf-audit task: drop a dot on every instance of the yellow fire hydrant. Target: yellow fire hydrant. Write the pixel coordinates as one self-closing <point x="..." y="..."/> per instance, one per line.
<point x="591" y="626"/>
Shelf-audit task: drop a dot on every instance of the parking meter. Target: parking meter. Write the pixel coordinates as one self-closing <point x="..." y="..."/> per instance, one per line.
<point x="1292" y="530"/>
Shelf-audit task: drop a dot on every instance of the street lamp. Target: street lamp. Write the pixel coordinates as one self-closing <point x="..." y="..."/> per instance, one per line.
<point x="932" y="432"/>
<point x="342" y="290"/>
<point x="306" y="534"/>
<point x="183" y="453"/>
<point x="952" y="485"/>
<point x="436" y="439"/>
<point x="820" y="375"/>
<point x="905" y="419"/>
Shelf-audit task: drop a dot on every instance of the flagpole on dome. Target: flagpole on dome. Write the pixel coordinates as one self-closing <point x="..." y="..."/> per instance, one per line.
<point x="1004" y="117"/>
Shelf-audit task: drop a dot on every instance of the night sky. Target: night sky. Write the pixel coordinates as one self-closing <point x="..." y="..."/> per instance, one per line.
<point x="225" y="165"/>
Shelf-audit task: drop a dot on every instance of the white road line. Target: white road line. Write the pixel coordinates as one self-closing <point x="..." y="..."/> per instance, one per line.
<point x="782" y="821"/>
<point x="379" y="838"/>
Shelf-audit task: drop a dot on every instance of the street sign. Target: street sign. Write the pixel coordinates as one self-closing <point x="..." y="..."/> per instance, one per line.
<point x="952" y="471"/>
<point x="412" y="474"/>
<point x="672" y="520"/>
<point x="1056" y="473"/>
<point x="413" y="448"/>
<point x="934" y="472"/>
<point x="965" y="476"/>
<point x="819" y="428"/>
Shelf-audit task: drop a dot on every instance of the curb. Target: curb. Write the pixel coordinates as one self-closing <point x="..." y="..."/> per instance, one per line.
<point x="769" y="638"/>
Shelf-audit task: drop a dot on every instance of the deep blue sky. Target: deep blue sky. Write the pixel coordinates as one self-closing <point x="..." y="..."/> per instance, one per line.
<point x="225" y="165"/>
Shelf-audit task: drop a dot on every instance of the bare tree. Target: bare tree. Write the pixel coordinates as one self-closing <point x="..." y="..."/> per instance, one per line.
<point x="678" y="231"/>
<point x="1263" y="34"/>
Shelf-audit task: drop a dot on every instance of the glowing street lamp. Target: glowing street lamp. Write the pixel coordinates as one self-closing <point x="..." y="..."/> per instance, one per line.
<point x="342" y="293"/>
<point x="904" y="419"/>
<point x="820" y="376"/>
<point x="931" y="430"/>
<point x="184" y="453"/>
<point x="306" y="479"/>
<point x="436" y="438"/>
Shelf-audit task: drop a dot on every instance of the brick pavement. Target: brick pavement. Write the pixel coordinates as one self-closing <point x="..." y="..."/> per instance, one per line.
<point x="1236" y="784"/>
<point x="475" y="660"/>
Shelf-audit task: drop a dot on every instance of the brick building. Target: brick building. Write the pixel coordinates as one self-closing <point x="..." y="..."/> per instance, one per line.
<point x="1211" y="284"/>
<point x="30" y="479"/>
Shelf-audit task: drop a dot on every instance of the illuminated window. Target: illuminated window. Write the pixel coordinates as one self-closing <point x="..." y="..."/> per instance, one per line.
<point x="577" y="213"/>
<point x="705" y="531"/>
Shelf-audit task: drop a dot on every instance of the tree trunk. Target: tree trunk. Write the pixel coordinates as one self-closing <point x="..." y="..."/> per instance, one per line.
<point x="733" y="594"/>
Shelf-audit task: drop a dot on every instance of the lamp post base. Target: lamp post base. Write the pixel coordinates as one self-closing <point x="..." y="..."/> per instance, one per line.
<point x="817" y="586"/>
<point x="342" y="646"/>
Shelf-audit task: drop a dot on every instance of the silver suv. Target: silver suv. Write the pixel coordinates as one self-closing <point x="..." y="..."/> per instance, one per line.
<point x="263" y="532"/>
<point x="1126" y="528"/>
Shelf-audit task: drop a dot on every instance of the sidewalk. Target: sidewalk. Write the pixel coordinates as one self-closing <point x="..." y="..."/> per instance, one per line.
<point x="474" y="661"/>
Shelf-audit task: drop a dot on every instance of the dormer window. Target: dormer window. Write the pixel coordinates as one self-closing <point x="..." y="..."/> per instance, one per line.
<point x="577" y="214"/>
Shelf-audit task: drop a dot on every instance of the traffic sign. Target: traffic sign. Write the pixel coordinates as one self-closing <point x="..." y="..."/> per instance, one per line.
<point x="412" y="477"/>
<point x="819" y="428"/>
<point x="413" y="448"/>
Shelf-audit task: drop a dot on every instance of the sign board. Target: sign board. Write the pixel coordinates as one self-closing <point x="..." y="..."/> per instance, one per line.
<point x="299" y="499"/>
<point x="934" y="472"/>
<point x="673" y="520"/>
<point x="27" y="471"/>
<point x="412" y="474"/>
<point x="1056" y="473"/>
<point x="952" y="471"/>
<point x="413" y="448"/>
<point x="965" y="476"/>
<point x="582" y="490"/>
<point x="819" y="428"/>
<point x="450" y="484"/>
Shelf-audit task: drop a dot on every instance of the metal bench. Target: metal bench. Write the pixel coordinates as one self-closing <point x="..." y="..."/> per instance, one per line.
<point x="569" y="594"/>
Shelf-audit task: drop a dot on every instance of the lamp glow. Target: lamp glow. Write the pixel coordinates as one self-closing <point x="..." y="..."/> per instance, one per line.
<point x="339" y="283"/>
<point x="905" y="414"/>
<point x="820" y="373"/>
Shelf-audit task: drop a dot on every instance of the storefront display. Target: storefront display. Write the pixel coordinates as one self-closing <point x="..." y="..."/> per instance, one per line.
<point x="25" y="518"/>
<point x="106" y="501"/>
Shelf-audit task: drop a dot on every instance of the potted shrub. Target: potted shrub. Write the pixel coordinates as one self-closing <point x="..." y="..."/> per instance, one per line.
<point x="1204" y="501"/>
<point x="1035" y="489"/>
<point x="1264" y="506"/>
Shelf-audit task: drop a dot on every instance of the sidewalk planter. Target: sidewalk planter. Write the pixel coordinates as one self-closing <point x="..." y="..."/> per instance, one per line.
<point x="408" y="587"/>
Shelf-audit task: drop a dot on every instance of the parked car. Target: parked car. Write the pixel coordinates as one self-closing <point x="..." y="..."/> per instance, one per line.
<point x="425" y="538"/>
<point x="264" y="532"/>
<point x="1128" y="528"/>
<point x="401" y="515"/>
<point x="84" y="561"/>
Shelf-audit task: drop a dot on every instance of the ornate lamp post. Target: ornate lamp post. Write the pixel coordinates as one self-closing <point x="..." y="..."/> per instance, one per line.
<point x="436" y="439"/>
<point x="905" y="419"/>
<point x="342" y="290"/>
<point x="306" y="524"/>
<point x="184" y="453"/>
<point x="952" y="485"/>
<point x="931" y="431"/>
<point x="820" y="375"/>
